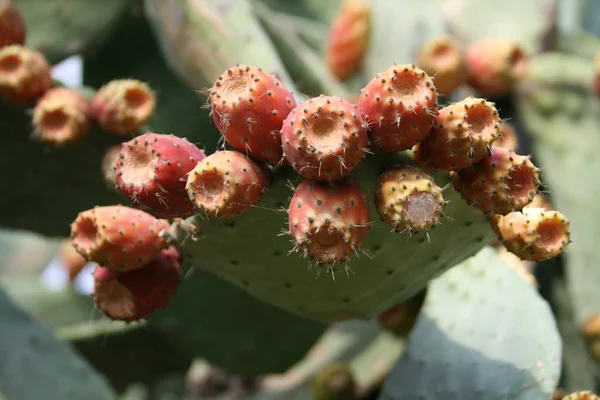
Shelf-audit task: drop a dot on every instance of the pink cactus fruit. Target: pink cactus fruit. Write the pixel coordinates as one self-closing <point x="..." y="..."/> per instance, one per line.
<point x="118" y="237"/>
<point x="226" y="184"/>
<point x="137" y="294"/>
<point x="70" y="258"/>
<point x="443" y="59"/>
<point x="533" y="234"/>
<point x="407" y="199"/>
<point x="108" y="166"/>
<point x="152" y="171"/>
<point x="329" y="221"/>
<point x="335" y="382"/>
<point x="463" y="134"/>
<point x="495" y="65"/>
<point x="581" y="395"/>
<point x="508" y="137"/>
<point x="324" y="138"/>
<point x="249" y="106"/>
<point x="591" y="331"/>
<point x="499" y="183"/>
<point x="61" y="117"/>
<point x="399" y="105"/>
<point x="401" y="318"/>
<point x="24" y="75"/>
<point x="348" y="38"/>
<point x="123" y="106"/>
<point x="12" y="25"/>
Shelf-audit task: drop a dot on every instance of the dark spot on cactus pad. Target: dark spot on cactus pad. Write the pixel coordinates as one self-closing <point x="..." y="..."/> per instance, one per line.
<point x="277" y="253"/>
<point x="231" y="224"/>
<point x="287" y="285"/>
<point x="435" y="258"/>
<point x="468" y="223"/>
<point x="421" y="240"/>
<point x="346" y="300"/>
<point x="376" y="247"/>
<point x="233" y="262"/>
<point x="480" y="238"/>
<point x="389" y="272"/>
<point x="245" y="283"/>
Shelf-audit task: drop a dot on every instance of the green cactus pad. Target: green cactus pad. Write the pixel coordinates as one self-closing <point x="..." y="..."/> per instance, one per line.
<point x="484" y="334"/>
<point x="248" y="252"/>
<point x="36" y="365"/>
<point x="60" y="28"/>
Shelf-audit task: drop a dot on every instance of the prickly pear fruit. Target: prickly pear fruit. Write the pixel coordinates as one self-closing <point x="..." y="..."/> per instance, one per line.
<point x="540" y="201"/>
<point x="401" y="318"/>
<point x="334" y="382"/>
<point x="226" y="184"/>
<point x="324" y="138"/>
<point x="137" y="294"/>
<point x="499" y="183"/>
<point x="249" y="106"/>
<point x="24" y="75"/>
<point x="462" y="135"/>
<point x="118" y="237"/>
<point x="399" y="105"/>
<point x="61" y="117"/>
<point x="12" y="25"/>
<point x="348" y="38"/>
<point x="108" y="165"/>
<point x="591" y="331"/>
<point x="407" y="199"/>
<point x="443" y="59"/>
<point x="152" y="171"/>
<point x="70" y="258"/>
<point x="495" y="65"/>
<point x="596" y="79"/>
<point x="559" y="394"/>
<point x="329" y="222"/>
<point x="584" y="395"/>
<point x="508" y="137"/>
<point x="122" y="106"/>
<point x="533" y="234"/>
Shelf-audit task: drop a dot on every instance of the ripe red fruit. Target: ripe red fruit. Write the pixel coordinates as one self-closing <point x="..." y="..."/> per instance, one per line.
<point x="12" y="25"/>
<point x="399" y="105"/>
<point x="324" y="138"/>
<point x="248" y="107"/>
<point x="118" y="237"/>
<point x="137" y="294"/>
<point x="443" y="59"/>
<point x="226" y="184"/>
<point x="24" y="75"/>
<point x="152" y="171"/>
<point x="401" y="318"/>
<point x="61" y="117"/>
<point x="329" y="221"/>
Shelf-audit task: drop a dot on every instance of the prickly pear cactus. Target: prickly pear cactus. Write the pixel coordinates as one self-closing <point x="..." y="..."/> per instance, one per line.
<point x="454" y="352"/>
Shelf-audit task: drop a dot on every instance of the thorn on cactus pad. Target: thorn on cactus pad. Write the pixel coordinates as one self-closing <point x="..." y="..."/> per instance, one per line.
<point x="443" y="59"/>
<point x="152" y="171"/>
<point x="24" y="75"/>
<point x="408" y="199"/>
<point x="122" y="106"/>
<point x="248" y="107"/>
<point x="61" y="117"/>
<point x="399" y="105"/>
<point x="137" y="294"/>
<point x="533" y="234"/>
<point x="12" y="25"/>
<point x="335" y="382"/>
<point x="328" y="222"/>
<point x="462" y="135"/>
<point x="324" y="138"/>
<point x="118" y="237"/>
<point x="499" y="183"/>
<point x="226" y="184"/>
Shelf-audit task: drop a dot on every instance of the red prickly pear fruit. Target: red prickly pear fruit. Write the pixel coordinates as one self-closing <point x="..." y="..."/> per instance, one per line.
<point x="539" y="201"/>
<point x="137" y="294"/>
<point x="329" y="221"/>
<point x="591" y="331"/>
<point x="24" y="75"/>
<point x="499" y="183"/>
<point x="348" y="38"/>
<point x="443" y="59"/>
<point x="533" y="234"/>
<point x="152" y="171"/>
<point x="582" y="395"/>
<point x="463" y="134"/>
<point x="495" y="65"/>
<point x="61" y="117"/>
<point x="226" y="184"/>
<point x="401" y="318"/>
<point x="123" y="106"/>
<point x="70" y="258"/>
<point x="118" y="237"/>
<point x="108" y="166"/>
<point x="407" y="199"/>
<point x="324" y="138"/>
<point x="399" y="105"/>
<point x="335" y="382"/>
<point x="508" y="137"/>
<point x="12" y="25"/>
<point x="249" y="106"/>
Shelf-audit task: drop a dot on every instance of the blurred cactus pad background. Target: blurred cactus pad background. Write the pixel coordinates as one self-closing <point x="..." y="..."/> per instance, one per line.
<point x="299" y="200"/>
